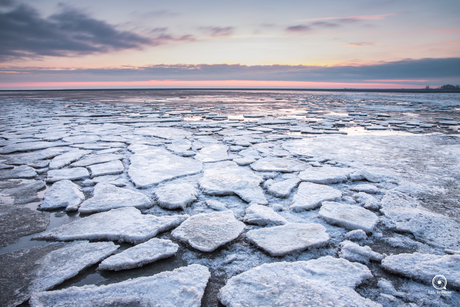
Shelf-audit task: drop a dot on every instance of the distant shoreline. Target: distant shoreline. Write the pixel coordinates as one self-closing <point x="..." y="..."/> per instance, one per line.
<point x="376" y="90"/>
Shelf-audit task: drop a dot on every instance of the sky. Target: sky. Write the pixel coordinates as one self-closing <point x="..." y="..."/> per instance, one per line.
<point x="48" y="44"/>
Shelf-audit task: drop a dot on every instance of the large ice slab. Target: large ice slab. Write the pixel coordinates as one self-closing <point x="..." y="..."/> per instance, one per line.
<point x="176" y="195"/>
<point x="227" y="178"/>
<point x="22" y="171"/>
<point x="262" y="216"/>
<point x="95" y="159"/>
<point x="284" y="165"/>
<point x="67" y="174"/>
<point x="163" y="132"/>
<point x="289" y="238"/>
<point x="113" y="167"/>
<point x="107" y="196"/>
<point x="348" y="216"/>
<point x="123" y="225"/>
<point x="63" y="194"/>
<point x="182" y="287"/>
<point x="311" y="195"/>
<point x="301" y="283"/>
<point x="68" y="261"/>
<point x="154" y="165"/>
<point x="28" y="146"/>
<point x="354" y="252"/>
<point x="67" y="158"/>
<point x="326" y="174"/>
<point x="140" y="255"/>
<point x="282" y="188"/>
<point x="213" y="153"/>
<point x="405" y="214"/>
<point x="34" y="156"/>
<point x="423" y="267"/>
<point x="207" y="231"/>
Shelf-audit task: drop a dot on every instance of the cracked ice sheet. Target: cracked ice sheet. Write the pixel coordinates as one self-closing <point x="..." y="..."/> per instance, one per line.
<point x="405" y="214"/>
<point x="423" y="267"/>
<point x="107" y="196"/>
<point x="140" y="255"/>
<point x="227" y="178"/>
<point x="182" y="287"/>
<point x="122" y="225"/>
<point x="427" y="160"/>
<point x="152" y="165"/>
<point x="301" y="283"/>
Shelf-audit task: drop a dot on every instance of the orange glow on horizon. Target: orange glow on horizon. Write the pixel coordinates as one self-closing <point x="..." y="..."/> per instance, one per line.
<point x="203" y="84"/>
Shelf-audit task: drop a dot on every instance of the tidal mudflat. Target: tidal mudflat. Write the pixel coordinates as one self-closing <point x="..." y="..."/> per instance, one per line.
<point x="229" y="198"/>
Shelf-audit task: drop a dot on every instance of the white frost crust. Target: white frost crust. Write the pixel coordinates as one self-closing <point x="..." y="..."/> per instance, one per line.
<point x="182" y="287"/>
<point x="348" y="216"/>
<point x="284" y="165"/>
<point x="63" y="194"/>
<point x="208" y="231"/>
<point x="67" y="158"/>
<point x="176" y="195"/>
<point x="67" y="174"/>
<point x="153" y="165"/>
<point x="67" y="262"/>
<point x="423" y="267"/>
<point x="281" y="189"/>
<point x="227" y="178"/>
<point x="107" y="197"/>
<point x="289" y="238"/>
<point x="140" y="255"/>
<point x="353" y="252"/>
<point x="325" y="281"/>
<point x="122" y="224"/>
<point x="405" y="214"/>
<point x="262" y="216"/>
<point x="311" y="195"/>
<point x="213" y="153"/>
<point x="326" y="174"/>
<point x="113" y="167"/>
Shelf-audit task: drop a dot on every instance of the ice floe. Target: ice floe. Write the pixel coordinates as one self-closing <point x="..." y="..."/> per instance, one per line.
<point x="208" y="231"/>
<point x="181" y="287"/>
<point x="68" y="261"/>
<point x="354" y="252"/>
<point x="107" y="196"/>
<point x="213" y="153"/>
<point x="227" y="178"/>
<point x="424" y="267"/>
<point x="262" y="216"/>
<point x="405" y="214"/>
<point x="176" y="195"/>
<point x="122" y="224"/>
<point x="348" y="216"/>
<point x="153" y="165"/>
<point x="301" y="283"/>
<point x="311" y="195"/>
<point x="95" y="159"/>
<point x="284" y="165"/>
<point x="63" y="194"/>
<point x="281" y="188"/>
<point x="67" y="158"/>
<point x="325" y="174"/>
<point x="292" y="237"/>
<point x="107" y="168"/>
<point x="140" y="255"/>
<point x="75" y="173"/>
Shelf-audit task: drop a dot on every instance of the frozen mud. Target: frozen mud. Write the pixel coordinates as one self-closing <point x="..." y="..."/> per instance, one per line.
<point x="234" y="198"/>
